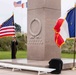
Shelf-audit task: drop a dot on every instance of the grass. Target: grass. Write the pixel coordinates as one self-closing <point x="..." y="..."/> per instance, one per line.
<point x="7" y="54"/>
<point x="23" y="54"/>
<point x="67" y="55"/>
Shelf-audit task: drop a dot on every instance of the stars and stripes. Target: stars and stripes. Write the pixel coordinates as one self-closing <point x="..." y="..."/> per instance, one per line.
<point x="7" y="28"/>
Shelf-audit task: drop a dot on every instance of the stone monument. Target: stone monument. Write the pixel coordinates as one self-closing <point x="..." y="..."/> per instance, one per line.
<point x="42" y="16"/>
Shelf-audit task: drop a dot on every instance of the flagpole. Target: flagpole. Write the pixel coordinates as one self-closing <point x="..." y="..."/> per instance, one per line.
<point x="74" y="55"/>
<point x="14" y="22"/>
<point x="74" y="40"/>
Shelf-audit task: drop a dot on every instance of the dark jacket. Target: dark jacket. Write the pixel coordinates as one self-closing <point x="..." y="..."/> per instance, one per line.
<point x="14" y="49"/>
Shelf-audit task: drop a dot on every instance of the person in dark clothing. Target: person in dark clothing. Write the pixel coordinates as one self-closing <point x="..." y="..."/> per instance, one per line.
<point x="14" y="44"/>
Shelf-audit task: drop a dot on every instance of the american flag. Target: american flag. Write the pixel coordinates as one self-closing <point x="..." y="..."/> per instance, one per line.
<point x="7" y="28"/>
<point x="18" y="4"/>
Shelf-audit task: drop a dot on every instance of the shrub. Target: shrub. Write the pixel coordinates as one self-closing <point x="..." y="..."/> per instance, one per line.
<point x="5" y="43"/>
<point x="68" y="47"/>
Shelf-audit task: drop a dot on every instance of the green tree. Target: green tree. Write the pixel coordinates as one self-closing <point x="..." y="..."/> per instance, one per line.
<point x="18" y="27"/>
<point x="68" y="46"/>
<point x="5" y="43"/>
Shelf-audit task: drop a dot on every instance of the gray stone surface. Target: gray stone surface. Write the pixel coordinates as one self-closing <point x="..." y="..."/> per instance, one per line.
<point x="42" y="16"/>
<point x="67" y="63"/>
<point x="17" y="72"/>
<point x="34" y="4"/>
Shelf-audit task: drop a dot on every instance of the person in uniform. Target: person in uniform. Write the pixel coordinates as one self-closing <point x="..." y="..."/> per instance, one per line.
<point x="14" y="44"/>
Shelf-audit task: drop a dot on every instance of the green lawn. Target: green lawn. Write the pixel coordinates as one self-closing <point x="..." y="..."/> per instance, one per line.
<point x="7" y="54"/>
<point x="67" y="55"/>
<point x="23" y="54"/>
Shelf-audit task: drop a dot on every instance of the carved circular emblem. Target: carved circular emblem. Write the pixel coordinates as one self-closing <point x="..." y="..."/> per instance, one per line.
<point x="35" y="27"/>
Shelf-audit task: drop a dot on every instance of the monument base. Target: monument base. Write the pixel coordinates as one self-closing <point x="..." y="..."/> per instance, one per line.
<point x="67" y="63"/>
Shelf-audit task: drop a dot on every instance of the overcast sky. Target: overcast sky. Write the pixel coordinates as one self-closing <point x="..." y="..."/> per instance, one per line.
<point x="20" y="14"/>
<point x="66" y="5"/>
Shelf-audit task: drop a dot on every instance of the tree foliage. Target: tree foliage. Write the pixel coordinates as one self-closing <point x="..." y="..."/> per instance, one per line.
<point x="18" y="27"/>
<point x="68" y="46"/>
<point x="5" y="43"/>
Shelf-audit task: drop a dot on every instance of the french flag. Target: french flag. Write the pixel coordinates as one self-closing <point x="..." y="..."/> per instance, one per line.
<point x="65" y="27"/>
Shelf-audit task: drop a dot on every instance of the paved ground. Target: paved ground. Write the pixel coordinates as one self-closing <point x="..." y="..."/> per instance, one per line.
<point x="5" y="71"/>
<point x="17" y="72"/>
<point x="67" y="63"/>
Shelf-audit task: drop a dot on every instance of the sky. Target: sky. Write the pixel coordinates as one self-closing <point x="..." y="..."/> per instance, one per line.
<point x="66" y="5"/>
<point x="20" y="14"/>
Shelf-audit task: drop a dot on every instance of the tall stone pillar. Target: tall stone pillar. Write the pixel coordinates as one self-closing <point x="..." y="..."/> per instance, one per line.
<point x="42" y="16"/>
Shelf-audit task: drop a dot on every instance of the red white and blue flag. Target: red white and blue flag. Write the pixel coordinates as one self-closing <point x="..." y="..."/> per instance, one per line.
<point x="7" y="28"/>
<point x="65" y="27"/>
<point x="19" y="4"/>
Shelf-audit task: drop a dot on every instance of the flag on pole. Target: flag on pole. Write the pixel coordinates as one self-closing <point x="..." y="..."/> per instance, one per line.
<point x="22" y="5"/>
<point x="19" y="4"/>
<point x="7" y="28"/>
<point x="65" y="28"/>
<point x="25" y="5"/>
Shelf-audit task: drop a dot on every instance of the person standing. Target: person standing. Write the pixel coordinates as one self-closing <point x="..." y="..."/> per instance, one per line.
<point x="14" y="44"/>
